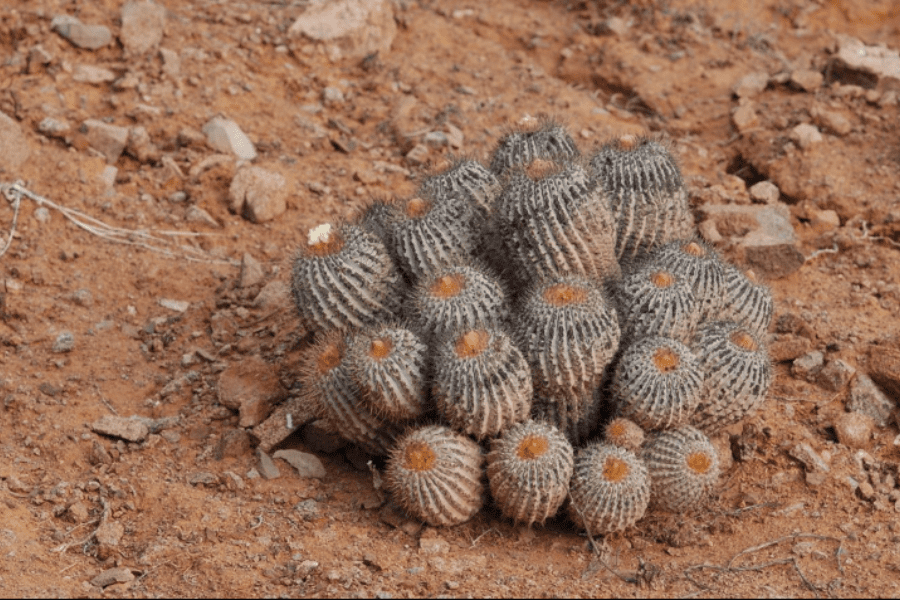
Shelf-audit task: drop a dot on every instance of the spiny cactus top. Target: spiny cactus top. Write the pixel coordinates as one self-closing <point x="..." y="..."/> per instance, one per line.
<point x="568" y="332"/>
<point x="655" y="301"/>
<point x="532" y="139"/>
<point x="693" y="260"/>
<point x="435" y="474"/>
<point x="624" y="433"/>
<point x="529" y="468"/>
<point x="482" y="384"/>
<point x="388" y="364"/>
<point x="556" y="221"/>
<point x="467" y="178"/>
<point x="747" y="301"/>
<point x="683" y="466"/>
<point x="647" y="194"/>
<point x="343" y="277"/>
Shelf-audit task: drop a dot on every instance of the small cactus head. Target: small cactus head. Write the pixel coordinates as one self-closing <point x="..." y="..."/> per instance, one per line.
<point x="472" y="343"/>
<point x="683" y="466"/>
<point x="624" y="433"/>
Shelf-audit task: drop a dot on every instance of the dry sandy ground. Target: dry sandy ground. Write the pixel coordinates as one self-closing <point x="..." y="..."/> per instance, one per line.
<point x="181" y="513"/>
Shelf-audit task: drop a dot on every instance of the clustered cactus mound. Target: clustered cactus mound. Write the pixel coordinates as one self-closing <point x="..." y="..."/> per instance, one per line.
<point x="547" y="327"/>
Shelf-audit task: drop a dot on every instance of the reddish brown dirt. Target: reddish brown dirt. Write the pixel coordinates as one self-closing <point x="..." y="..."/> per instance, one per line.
<point x="670" y="71"/>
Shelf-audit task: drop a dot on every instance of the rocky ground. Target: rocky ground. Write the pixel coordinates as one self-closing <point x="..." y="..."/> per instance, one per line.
<point x="176" y="153"/>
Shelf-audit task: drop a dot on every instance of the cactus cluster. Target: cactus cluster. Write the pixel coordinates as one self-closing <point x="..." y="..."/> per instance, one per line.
<point x="545" y="327"/>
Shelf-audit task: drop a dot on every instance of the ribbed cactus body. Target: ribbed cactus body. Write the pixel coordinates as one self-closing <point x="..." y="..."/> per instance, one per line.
<point x="528" y="469"/>
<point x="683" y="466"/>
<point x="575" y="415"/>
<point x="700" y="265"/>
<point x="531" y="140"/>
<point x="655" y="301"/>
<point x="467" y="178"/>
<point x="609" y="490"/>
<point x="747" y="301"/>
<point x="435" y="474"/>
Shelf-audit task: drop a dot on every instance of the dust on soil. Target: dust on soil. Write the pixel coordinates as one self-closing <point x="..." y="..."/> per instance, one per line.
<point x="185" y="523"/>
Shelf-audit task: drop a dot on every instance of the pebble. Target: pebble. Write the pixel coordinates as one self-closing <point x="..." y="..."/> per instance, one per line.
<point x="65" y="342"/>
<point x="287" y="417"/>
<point x="751" y="85"/>
<point x="744" y="117"/>
<point x="108" y="140"/>
<point x="83" y="297"/>
<point x="252" y="272"/>
<point x="224" y="135"/>
<point x="307" y="465"/>
<point x="267" y="467"/>
<point x="131" y="429"/>
<point x="14" y="149"/>
<point x="55" y="128"/>
<point x="805" y="135"/>
<point x="436" y="139"/>
<point x="143" y="24"/>
<point x="109" y="533"/>
<point x="454" y="136"/>
<point x="807" y="79"/>
<point x="176" y="305"/>
<point x="835" y="375"/>
<point x="417" y="156"/>
<point x="879" y="60"/>
<point x="108" y="176"/>
<point x="788" y="347"/>
<point x="866" y="398"/>
<point x="38" y="57"/>
<point x="348" y="29"/>
<point x="92" y="74"/>
<point x="866" y="491"/>
<point x="251" y="387"/>
<point x="204" y="478"/>
<point x="307" y="509"/>
<point x="854" y="429"/>
<point x="111" y="576"/>
<point x="275" y="294"/>
<point x="765" y="192"/>
<point x="808" y="365"/>
<point x="140" y="145"/>
<point x="78" y="512"/>
<point x="809" y="457"/>
<point x="332" y="95"/>
<point x="89" y="37"/>
<point x="258" y="194"/>
<point x="884" y="369"/>
<point x="831" y="120"/>
<point x="171" y="62"/>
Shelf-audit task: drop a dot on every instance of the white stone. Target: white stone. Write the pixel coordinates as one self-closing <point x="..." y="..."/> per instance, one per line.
<point x="351" y="29"/>
<point x="765" y="192"/>
<point x="877" y="60"/>
<point x="176" y="305"/>
<point x="143" y="25"/>
<point x="258" y="194"/>
<point x="226" y="136"/>
<point x="805" y="135"/>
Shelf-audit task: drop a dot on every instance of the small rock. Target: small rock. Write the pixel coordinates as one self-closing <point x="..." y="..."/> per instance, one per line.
<point x="287" y="417"/>
<point x="108" y="140"/>
<point x="709" y="232"/>
<point x="171" y="62"/>
<point x="89" y="37"/>
<point x="831" y="120"/>
<point x="38" y="57"/>
<point x="305" y="568"/>
<point x="140" y="145"/>
<point x="835" y="375"/>
<point x="234" y="443"/>
<point x="78" y="512"/>
<point x="176" y="305"/>
<point x="768" y="243"/>
<point x="822" y="221"/>
<point x="807" y="366"/>
<point x="108" y="176"/>
<point x="454" y="136"/>
<point x="173" y="437"/>
<point x="252" y="387"/>
<point x="225" y="136"/>
<point x="258" y="194"/>
<point x="418" y="155"/>
<point x="866" y="398"/>
<point x="435" y="139"/>
<point x="884" y="369"/>
<point x="233" y="481"/>
<point x="65" y="342"/>
<point x="866" y="491"/>
<point x="92" y="74"/>
<point x="879" y="61"/>
<point x="275" y="294"/>
<point x="751" y="85"/>
<point x="14" y="149"/>
<point x="431" y="543"/>
<point x="351" y="29"/>
<point x="111" y="576"/>
<point x="307" y="465"/>
<point x="307" y="509"/>
<point x="204" y="478"/>
<point x="267" y="467"/>
<point x="332" y="96"/>
<point x="143" y="24"/>
<point x="807" y="79"/>
<point x="318" y="438"/>
<point x="130" y="429"/>
<point x="252" y="271"/>
<point x="195" y="214"/>
<point x="109" y="533"/>
<point x="744" y="117"/>
<point x="788" y="347"/>
<point x="815" y="479"/>
<point x="55" y="128"/>
<point x="854" y="429"/>
<point x="809" y="457"/>
<point x="805" y="135"/>
<point x="765" y="192"/>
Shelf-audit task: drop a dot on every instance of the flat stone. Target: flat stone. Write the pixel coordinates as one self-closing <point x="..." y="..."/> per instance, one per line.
<point x="417" y="156"/>
<point x="284" y="420"/>
<point x="835" y="375"/>
<point x="252" y="387"/>
<point x="805" y="135"/>
<point x="109" y="533"/>
<point x="273" y="295"/>
<point x="810" y="458"/>
<point x="130" y="429"/>
<point x="751" y="85"/>
<point x="789" y="347"/>
<point x="176" y="305"/>
<point x="879" y="62"/>
<point x="767" y="242"/>
<point x="831" y="120"/>
<point x="307" y="465"/>
<point x="252" y="272"/>
<point x="111" y="576"/>
<point x="195" y="214"/>
<point x="92" y="74"/>
<point x="868" y="399"/>
<point x="14" y="148"/>
<point x="267" y="467"/>
<point x="884" y="369"/>
<point x="258" y="194"/>
<point x="854" y="429"/>
<point x="224" y="135"/>
<point x="143" y="25"/>
<point x="807" y="79"/>
<point x="744" y="117"/>
<point x="765" y="192"/>
<point x="56" y="128"/>
<point x="108" y="140"/>
<point x="349" y="29"/>
<point x="204" y="478"/>
<point x="89" y="37"/>
<point x="807" y="366"/>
